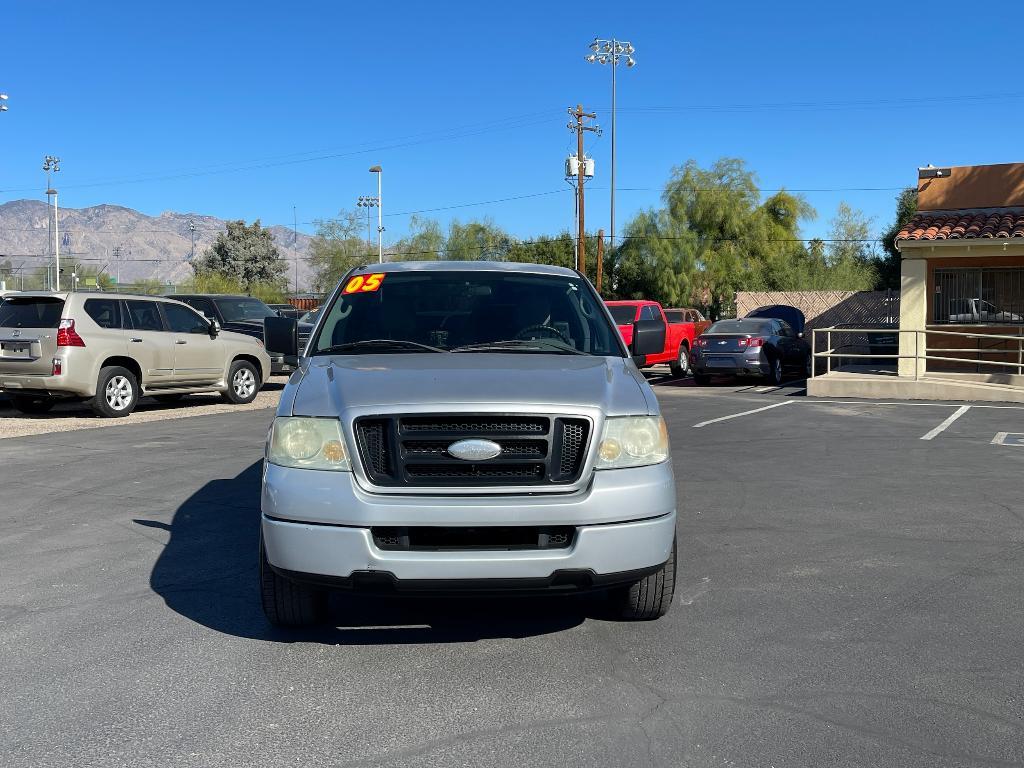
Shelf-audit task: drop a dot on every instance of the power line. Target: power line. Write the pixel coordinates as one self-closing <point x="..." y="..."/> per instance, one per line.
<point x="825" y="105"/>
<point x="515" y="122"/>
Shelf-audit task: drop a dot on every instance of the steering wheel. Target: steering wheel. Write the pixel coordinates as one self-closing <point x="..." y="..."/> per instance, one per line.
<point x="550" y="329"/>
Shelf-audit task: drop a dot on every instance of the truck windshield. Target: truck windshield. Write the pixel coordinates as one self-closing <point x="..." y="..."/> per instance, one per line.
<point x="466" y="311"/>
<point x="240" y="310"/>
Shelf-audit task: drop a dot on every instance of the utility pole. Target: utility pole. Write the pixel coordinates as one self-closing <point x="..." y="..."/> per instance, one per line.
<point x="600" y="259"/>
<point x="295" y="246"/>
<point x="580" y="127"/>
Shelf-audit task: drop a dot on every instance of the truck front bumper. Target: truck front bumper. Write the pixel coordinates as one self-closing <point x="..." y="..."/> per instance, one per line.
<point x="317" y="528"/>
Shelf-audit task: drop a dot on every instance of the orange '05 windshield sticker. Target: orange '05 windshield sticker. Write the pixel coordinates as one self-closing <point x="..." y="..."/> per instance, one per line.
<point x="364" y="283"/>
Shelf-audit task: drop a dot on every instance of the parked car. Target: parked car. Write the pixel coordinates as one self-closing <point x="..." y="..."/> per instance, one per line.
<point x="112" y="349"/>
<point x="461" y="427"/>
<point x="793" y="316"/>
<point x="310" y="317"/>
<point x="678" y="336"/>
<point x="970" y="311"/>
<point x="752" y="346"/>
<point x="241" y="314"/>
<point x="685" y="315"/>
<point x="286" y="310"/>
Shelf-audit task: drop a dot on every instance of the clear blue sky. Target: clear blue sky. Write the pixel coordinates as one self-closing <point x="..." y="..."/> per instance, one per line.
<point x="244" y="109"/>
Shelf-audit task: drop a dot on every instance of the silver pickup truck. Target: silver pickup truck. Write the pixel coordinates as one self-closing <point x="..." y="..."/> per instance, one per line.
<point x="466" y="427"/>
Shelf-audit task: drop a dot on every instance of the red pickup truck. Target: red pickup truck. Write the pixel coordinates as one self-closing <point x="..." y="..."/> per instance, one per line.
<point x="679" y="336"/>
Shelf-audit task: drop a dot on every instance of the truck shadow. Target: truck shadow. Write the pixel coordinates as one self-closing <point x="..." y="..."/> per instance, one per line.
<point x="208" y="573"/>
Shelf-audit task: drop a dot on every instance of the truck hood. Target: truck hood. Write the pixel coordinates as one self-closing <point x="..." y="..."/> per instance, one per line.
<point x="330" y="385"/>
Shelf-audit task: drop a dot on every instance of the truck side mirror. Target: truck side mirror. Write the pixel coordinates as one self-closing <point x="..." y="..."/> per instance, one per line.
<point x="648" y="339"/>
<point x="214" y="329"/>
<point x="281" y="337"/>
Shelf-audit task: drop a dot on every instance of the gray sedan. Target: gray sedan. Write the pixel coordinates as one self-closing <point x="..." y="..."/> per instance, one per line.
<point x="752" y="346"/>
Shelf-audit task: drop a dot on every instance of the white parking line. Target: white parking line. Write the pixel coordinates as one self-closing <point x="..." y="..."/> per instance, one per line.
<point x="931" y="435"/>
<point x="744" y="413"/>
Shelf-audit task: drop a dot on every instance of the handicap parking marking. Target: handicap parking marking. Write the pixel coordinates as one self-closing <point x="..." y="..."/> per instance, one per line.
<point x="1009" y="438"/>
<point x="944" y="425"/>
<point x="743" y="413"/>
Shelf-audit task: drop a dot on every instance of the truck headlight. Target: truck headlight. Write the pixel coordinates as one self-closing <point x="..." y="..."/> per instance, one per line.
<point x="632" y="441"/>
<point x="308" y="443"/>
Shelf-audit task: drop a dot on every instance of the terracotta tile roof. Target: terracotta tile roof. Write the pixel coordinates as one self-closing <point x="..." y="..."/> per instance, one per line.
<point x="999" y="223"/>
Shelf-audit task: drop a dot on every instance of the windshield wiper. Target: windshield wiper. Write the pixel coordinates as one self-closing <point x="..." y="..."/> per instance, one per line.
<point x="519" y="345"/>
<point x="391" y="345"/>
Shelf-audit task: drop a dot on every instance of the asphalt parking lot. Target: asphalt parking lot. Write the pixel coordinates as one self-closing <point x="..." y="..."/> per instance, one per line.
<point x="849" y="594"/>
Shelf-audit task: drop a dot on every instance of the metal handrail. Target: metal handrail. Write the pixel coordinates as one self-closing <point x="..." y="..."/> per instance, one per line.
<point x="829" y="352"/>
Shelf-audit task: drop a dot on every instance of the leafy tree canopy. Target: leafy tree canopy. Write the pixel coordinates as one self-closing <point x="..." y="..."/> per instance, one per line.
<point x="245" y="253"/>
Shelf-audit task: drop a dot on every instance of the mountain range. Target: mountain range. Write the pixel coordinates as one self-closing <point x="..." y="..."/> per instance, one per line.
<point x="125" y="243"/>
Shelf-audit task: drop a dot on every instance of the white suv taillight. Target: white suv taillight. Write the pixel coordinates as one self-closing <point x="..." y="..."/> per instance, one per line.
<point x="67" y="336"/>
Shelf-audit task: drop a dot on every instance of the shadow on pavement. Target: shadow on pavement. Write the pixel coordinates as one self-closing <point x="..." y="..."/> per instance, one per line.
<point x="791" y="386"/>
<point x="208" y="573"/>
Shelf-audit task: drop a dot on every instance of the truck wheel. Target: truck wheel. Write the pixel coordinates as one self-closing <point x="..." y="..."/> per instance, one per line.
<point x="243" y="383"/>
<point x="681" y="365"/>
<point x="117" y="393"/>
<point x="288" y="603"/>
<point x="651" y="597"/>
<point x="29" y="404"/>
<point x="701" y="379"/>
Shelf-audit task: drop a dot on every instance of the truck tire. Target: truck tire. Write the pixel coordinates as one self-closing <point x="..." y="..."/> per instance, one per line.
<point x="681" y="365"/>
<point x="31" y="405"/>
<point x="117" y="393"/>
<point x="288" y="603"/>
<point x="651" y="597"/>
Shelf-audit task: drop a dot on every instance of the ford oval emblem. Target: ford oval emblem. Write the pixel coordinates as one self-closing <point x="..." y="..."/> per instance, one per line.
<point x="474" y="450"/>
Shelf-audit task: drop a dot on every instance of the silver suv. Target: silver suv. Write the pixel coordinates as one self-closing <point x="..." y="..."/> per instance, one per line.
<point x="463" y="427"/>
<point x="111" y="349"/>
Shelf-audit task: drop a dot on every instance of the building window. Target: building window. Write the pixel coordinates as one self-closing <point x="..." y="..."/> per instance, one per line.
<point x="987" y="296"/>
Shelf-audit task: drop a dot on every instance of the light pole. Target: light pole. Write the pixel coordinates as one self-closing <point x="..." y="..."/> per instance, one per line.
<point x="380" y="214"/>
<point x="368" y="202"/>
<point x="192" y="233"/>
<point x="51" y="164"/>
<point x="609" y="52"/>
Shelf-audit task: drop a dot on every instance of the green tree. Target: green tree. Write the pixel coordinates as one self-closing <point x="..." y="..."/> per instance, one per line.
<point x="889" y="268"/>
<point x="477" y="241"/>
<point x="272" y="293"/>
<point x="425" y="241"/>
<point x="559" y="251"/>
<point x="245" y="253"/>
<point x="851" y="253"/>
<point x="336" y="248"/>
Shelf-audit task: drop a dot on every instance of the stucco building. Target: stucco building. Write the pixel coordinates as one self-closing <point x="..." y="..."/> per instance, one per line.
<point x="961" y="292"/>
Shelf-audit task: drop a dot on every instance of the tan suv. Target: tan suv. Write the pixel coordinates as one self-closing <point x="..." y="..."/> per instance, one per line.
<point x="111" y="349"/>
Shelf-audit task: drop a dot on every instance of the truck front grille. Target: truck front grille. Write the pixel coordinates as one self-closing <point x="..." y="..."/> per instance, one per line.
<point x="413" y="450"/>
